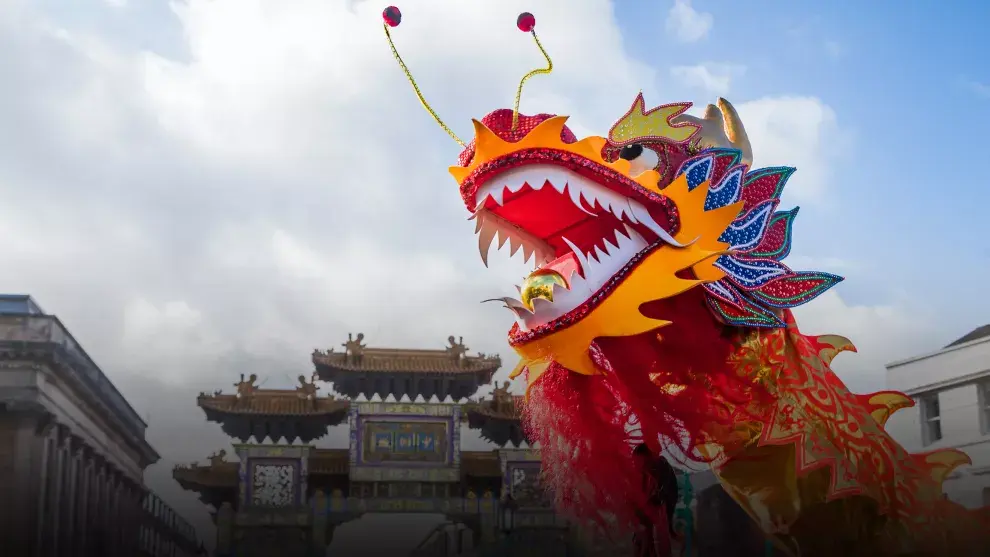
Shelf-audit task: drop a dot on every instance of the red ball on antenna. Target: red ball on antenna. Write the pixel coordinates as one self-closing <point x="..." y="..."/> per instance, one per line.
<point x="392" y="16"/>
<point x="526" y="22"/>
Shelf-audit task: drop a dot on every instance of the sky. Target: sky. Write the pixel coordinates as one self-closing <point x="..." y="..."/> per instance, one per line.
<point x="205" y="188"/>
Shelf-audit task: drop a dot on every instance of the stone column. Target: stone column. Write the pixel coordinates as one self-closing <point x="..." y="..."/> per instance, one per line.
<point x="111" y="522"/>
<point x="67" y="507"/>
<point x="98" y="510"/>
<point x="129" y="516"/>
<point x="85" y="456"/>
<point x="48" y="515"/>
<point x="23" y="478"/>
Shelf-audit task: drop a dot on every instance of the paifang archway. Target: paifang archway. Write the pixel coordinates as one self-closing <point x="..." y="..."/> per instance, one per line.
<point x="402" y="457"/>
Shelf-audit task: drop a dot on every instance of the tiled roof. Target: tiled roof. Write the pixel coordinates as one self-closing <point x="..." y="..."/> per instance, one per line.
<point x="487" y="408"/>
<point x="198" y="477"/>
<point x="390" y="360"/>
<point x="272" y="403"/>
<point x="975" y="334"/>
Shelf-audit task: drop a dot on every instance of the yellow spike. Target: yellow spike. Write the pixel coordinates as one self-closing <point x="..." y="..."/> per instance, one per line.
<point x="833" y="345"/>
<point x="943" y="462"/>
<point x="459" y="173"/>
<point x="552" y="127"/>
<point x="883" y="404"/>
<point x="516" y="371"/>
<point x="485" y="141"/>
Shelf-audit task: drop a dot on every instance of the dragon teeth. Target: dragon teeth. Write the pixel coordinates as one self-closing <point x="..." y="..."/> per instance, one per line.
<point x="488" y="226"/>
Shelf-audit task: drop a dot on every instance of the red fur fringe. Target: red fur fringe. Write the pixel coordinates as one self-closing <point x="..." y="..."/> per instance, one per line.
<point x="586" y="425"/>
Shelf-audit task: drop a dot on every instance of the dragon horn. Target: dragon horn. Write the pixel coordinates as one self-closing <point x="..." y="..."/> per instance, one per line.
<point x="721" y="127"/>
<point x="735" y="132"/>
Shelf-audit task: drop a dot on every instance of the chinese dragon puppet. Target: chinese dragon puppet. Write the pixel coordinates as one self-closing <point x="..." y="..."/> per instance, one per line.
<point x="659" y="312"/>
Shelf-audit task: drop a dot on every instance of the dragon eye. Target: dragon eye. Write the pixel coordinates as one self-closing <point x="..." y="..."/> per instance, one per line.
<point x="631" y="152"/>
<point x="641" y="158"/>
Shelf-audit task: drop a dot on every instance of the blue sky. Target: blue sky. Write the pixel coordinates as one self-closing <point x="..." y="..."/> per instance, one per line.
<point x="911" y="79"/>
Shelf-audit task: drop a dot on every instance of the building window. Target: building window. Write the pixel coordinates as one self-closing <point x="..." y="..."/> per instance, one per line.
<point x="931" y="419"/>
<point x="984" y="400"/>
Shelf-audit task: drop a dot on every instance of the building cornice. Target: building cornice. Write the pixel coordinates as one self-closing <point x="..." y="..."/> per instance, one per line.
<point x="963" y="346"/>
<point x="950" y="383"/>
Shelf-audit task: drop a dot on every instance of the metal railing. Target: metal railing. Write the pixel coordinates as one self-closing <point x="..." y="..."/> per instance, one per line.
<point x="166" y="534"/>
<point x="445" y="540"/>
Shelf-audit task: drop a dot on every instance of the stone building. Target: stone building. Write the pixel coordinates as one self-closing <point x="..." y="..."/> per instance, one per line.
<point x="951" y="388"/>
<point x="72" y="451"/>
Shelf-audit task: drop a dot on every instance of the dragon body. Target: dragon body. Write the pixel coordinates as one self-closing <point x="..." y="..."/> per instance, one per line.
<point x="660" y="300"/>
<point x="659" y="312"/>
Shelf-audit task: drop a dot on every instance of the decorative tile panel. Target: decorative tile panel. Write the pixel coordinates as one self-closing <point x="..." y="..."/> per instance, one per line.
<point x="405" y="442"/>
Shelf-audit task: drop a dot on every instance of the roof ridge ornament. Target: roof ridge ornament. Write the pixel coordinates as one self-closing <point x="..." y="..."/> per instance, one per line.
<point x="246" y="388"/>
<point x="353" y="348"/>
<point x="457" y="350"/>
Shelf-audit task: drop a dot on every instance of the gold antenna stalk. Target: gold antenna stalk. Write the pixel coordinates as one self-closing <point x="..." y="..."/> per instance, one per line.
<point x="526" y="23"/>
<point x="392" y="17"/>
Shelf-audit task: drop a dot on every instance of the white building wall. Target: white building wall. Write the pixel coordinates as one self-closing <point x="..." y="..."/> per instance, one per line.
<point x="955" y="376"/>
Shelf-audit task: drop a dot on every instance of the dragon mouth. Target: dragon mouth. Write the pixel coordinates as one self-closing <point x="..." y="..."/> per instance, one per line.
<point x="581" y="235"/>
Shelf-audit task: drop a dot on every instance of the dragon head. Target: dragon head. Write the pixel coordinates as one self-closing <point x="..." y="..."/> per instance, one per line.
<point x="661" y="205"/>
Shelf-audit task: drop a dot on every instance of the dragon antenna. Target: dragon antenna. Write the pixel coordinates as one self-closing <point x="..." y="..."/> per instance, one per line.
<point x="392" y="17"/>
<point x="526" y="23"/>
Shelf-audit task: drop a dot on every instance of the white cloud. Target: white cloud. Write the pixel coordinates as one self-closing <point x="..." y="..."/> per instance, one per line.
<point x="192" y="219"/>
<point x="881" y="335"/>
<point x="687" y="24"/>
<point x="713" y="79"/>
<point x="802" y="132"/>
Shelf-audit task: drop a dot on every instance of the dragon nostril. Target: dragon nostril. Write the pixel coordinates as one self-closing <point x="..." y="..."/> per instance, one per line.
<point x="631" y="152"/>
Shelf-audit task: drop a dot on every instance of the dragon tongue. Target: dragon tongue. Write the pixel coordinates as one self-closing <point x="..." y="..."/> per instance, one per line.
<point x="565" y="266"/>
<point x="541" y="282"/>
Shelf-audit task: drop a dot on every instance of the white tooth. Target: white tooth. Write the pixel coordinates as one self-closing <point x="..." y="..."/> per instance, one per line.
<point x="499" y="195"/>
<point x="644" y="217"/>
<point x="503" y="235"/>
<point x="629" y="212"/>
<point x="582" y="260"/>
<point x="541" y="305"/>
<point x="485" y="237"/>
<point x="574" y="192"/>
<point x="633" y="235"/>
<point x="615" y="248"/>
<point x="528" y="251"/>
<point x="601" y="255"/>
<point x="514" y="245"/>
<point x="618" y="209"/>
